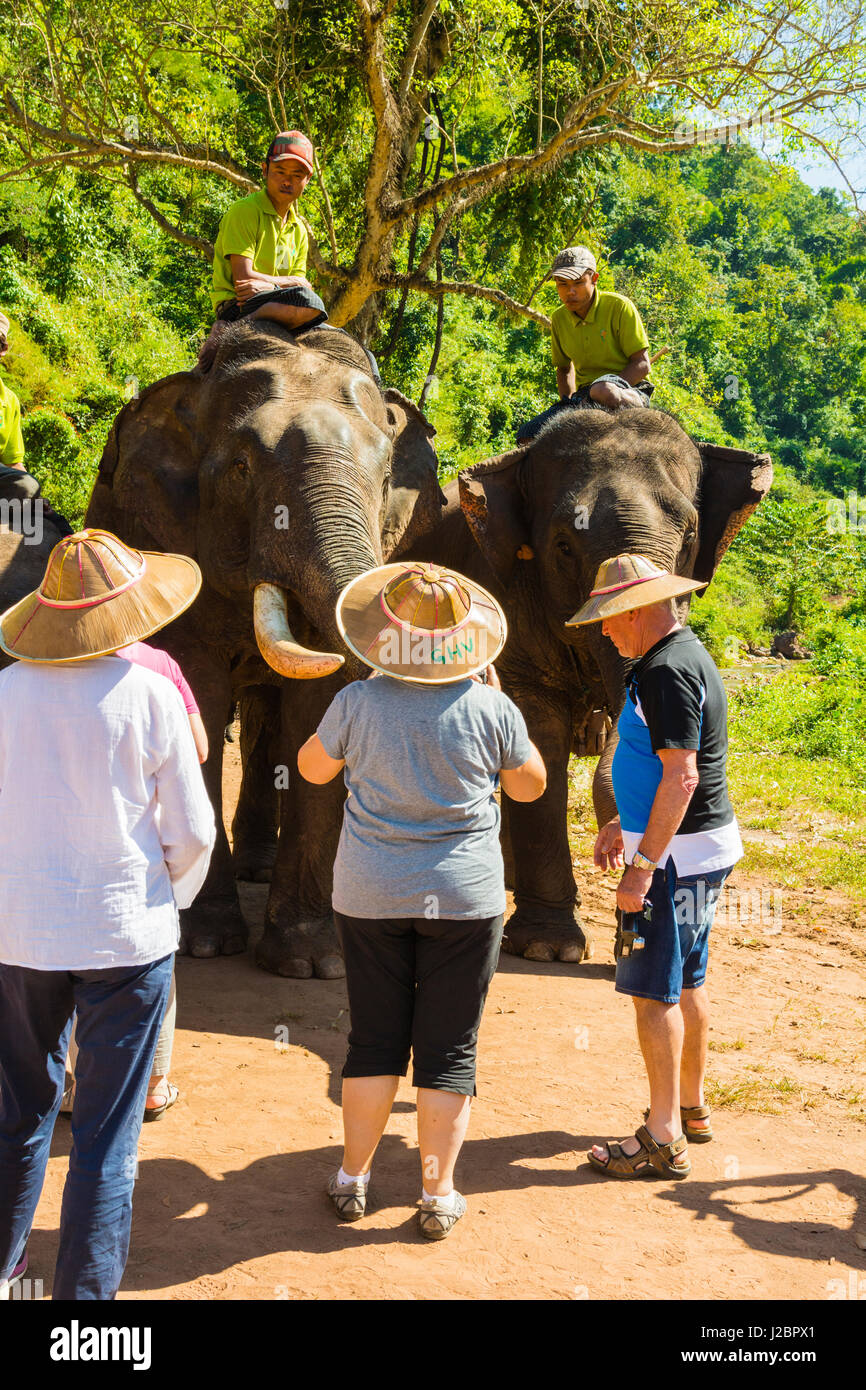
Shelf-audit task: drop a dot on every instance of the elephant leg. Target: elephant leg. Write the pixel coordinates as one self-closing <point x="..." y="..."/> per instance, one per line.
<point x="214" y="924"/>
<point x="300" y="939"/>
<point x="254" y="828"/>
<point x="545" y="924"/>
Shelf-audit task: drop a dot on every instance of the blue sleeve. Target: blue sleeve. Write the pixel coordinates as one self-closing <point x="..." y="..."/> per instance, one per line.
<point x="334" y="728"/>
<point x="514" y="745"/>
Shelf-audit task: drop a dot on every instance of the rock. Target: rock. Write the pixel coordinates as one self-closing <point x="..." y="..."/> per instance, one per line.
<point x="788" y="645"/>
<point x="759" y="651"/>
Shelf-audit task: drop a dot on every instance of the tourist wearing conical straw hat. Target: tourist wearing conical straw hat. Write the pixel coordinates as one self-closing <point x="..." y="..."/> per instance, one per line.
<point x="419" y="895"/>
<point x="675" y="838"/>
<point x="102" y="797"/>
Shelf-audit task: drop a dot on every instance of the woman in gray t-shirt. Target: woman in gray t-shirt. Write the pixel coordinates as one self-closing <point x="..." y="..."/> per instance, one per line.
<point x="419" y="895"/>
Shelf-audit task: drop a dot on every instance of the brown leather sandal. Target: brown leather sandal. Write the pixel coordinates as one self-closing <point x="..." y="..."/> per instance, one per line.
<point x="650" y="1157"/>
<point x="689" y="1113"/>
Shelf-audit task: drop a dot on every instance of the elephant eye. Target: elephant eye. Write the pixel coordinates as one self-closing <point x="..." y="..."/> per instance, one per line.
<point x="564" y="547"/>
<point x="241" y="465"/>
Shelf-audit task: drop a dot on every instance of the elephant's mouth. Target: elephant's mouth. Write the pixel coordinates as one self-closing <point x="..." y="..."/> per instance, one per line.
<point x="277" y="643"/>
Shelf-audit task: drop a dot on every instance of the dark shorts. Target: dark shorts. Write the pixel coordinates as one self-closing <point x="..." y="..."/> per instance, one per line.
<point x="675" y="925"/>
<point x="580" y="400"/>
<point x="298" y="296"/>
<point x="417" y="986"/>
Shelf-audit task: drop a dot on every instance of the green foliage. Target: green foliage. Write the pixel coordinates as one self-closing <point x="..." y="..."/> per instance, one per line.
<point x="54" y="455"/>
<point x="819" y="712"/>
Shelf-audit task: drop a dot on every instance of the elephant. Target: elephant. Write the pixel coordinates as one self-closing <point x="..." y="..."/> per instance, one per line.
<point x="23" y="560"/>
<point x="284" y="471"/>
<point x="533" y="525"/>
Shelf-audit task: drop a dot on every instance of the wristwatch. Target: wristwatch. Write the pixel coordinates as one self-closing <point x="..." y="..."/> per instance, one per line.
<point x="640" y="861"/>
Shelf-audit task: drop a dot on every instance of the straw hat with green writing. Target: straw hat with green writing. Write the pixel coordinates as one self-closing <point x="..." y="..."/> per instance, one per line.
<point x="420" y="622"/>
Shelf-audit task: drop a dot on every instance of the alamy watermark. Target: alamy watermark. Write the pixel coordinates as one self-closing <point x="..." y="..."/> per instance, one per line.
<point x="24" y="515"/>
<point x="846" y="514"/>
<point x="722" y="128"/>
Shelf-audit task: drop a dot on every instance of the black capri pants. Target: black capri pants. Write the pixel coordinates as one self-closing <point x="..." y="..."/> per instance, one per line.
<point x="417" y="985"/>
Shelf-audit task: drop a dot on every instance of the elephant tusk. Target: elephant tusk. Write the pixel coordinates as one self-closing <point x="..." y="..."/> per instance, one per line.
<point x="278" y="646"/>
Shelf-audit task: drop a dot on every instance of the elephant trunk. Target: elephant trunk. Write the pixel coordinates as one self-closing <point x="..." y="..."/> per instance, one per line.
<point x="278" y="646"/>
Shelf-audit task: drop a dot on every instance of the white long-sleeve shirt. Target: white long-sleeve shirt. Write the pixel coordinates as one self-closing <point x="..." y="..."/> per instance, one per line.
<point x="105" y="825"/>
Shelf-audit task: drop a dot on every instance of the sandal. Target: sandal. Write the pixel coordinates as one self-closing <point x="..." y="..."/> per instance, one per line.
<point x="435" y="1219"/>
<point x="689" y="1113"/>
<point x="650" y="1157"/>
<point x="349" y="1198"/>
<point x="157" y="1111"/>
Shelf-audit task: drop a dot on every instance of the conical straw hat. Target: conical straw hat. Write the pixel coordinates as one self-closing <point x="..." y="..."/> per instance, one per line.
<point x="420" y="622"/>
<point x="98" y="594"/>
<point x="630" y="581"/>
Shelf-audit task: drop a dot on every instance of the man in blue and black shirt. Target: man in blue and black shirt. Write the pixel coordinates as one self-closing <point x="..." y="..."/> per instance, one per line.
<point x="676" y="839"/>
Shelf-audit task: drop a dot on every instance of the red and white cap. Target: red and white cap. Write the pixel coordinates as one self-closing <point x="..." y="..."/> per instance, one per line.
<point x="291" y="144"/>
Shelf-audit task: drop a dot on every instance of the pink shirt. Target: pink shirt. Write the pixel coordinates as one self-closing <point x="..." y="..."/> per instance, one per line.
<point x="164" y="665"/>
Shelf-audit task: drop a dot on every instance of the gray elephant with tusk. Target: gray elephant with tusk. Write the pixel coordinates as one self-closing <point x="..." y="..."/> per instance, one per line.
<point x="285" y="471"/>
<point x="533" y="526"/>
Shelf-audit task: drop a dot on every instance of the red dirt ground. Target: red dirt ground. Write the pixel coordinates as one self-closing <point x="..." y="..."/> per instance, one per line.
<point x="229" y="1202"/>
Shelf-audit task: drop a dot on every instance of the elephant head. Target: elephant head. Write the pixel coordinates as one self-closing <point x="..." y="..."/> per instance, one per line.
<point x="284" y="471"/>
<point x="593" y="485"/>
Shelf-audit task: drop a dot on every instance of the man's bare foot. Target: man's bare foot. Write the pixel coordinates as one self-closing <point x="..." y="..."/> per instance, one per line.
<point x="208" y="350"/>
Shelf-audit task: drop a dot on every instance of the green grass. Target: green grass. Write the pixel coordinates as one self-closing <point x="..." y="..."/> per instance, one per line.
<point x="758" y="1094"/>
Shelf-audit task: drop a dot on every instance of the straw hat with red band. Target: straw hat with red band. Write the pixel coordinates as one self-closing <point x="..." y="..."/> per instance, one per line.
<point x="97" y="595"/>
<point x="420" y="622"/>
<point x="630" y="581"/>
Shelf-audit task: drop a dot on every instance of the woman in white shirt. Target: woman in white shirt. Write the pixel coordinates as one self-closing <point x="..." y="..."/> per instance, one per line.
<point x="103" y="802"/>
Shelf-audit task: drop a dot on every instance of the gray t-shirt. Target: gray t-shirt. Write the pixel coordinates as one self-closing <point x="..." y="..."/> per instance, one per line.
<point x="420" y="831"/>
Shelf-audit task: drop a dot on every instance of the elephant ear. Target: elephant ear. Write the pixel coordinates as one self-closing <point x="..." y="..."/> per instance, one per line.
<point x="147" y="485"/>
<point x="415" y="499"/>
<point x="733" y="483"/>
<point x="494" y="507"/>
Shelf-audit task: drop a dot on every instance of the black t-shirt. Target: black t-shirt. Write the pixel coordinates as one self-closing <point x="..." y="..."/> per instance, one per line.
<point x="678" y="691"/>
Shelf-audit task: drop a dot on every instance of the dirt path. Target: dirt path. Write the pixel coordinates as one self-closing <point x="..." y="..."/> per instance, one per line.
<point x="229" y="1201"/>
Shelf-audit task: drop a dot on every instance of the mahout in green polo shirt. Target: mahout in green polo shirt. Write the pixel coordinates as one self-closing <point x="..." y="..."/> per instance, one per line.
<point x="603" y="342"/>
<point x="11" y="439"/>
<point x="252" y="227"/>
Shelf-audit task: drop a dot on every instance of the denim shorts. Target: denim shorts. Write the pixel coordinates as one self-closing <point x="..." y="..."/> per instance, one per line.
<point x="675" y="925"/>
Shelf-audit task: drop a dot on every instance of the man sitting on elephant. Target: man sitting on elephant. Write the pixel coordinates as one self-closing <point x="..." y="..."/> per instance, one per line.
<point x="18" y="487"/>
<point x="598" y="342"/>
<point x="260" y="256"/>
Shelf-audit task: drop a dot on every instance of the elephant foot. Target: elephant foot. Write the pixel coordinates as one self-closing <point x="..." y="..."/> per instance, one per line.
<point x="304" y="949"/>
<point x="568" y="941"/>
<point x="254" y="863"/>
<point x="213" y="929"/>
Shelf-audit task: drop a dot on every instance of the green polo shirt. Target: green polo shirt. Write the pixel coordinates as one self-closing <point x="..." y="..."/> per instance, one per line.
<point x="11" y="441"/>
<point x="602" y="342"/>
<point x="251" y="227"/>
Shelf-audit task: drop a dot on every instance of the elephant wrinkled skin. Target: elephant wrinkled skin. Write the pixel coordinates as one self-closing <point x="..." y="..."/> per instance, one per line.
<point x="285" y="472"/>
<point x="533" y="526"/>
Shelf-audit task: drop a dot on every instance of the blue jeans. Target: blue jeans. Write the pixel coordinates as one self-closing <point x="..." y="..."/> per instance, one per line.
<point x="119" y="1016"/>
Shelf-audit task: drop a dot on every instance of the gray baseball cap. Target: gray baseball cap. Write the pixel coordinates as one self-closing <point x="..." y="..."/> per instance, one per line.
<point x="571" y="263"/>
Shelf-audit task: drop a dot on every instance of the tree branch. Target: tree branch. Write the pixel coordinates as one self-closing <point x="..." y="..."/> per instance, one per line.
<point x="391" y="280"/>
<point x="185" y="238"/>
<point x="195" y="157"/>
<point x="415" y="42"/>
